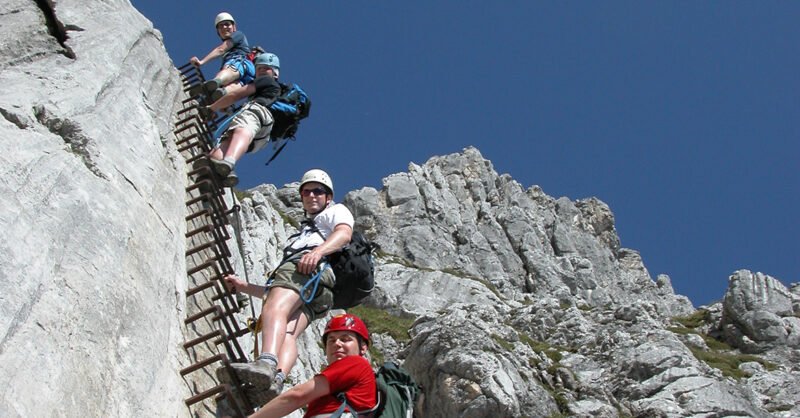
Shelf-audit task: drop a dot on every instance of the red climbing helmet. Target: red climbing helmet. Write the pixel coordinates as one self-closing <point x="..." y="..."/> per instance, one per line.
<point x="347" y="322"/>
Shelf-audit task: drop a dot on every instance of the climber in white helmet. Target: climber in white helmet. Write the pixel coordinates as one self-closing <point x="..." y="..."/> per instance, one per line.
<point x="298" y="291"/>
<point x="236" y="69"/>
<point x="250" y="129"/>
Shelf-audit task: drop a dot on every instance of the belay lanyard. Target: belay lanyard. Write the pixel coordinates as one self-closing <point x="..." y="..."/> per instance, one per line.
<point x="313" y="281"/>
<point x="294" y="253"/>
<point x="254" y="325"/>
<point x="223" y="126"/>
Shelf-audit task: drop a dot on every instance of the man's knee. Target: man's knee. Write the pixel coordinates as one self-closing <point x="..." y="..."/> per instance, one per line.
<point x="282" y="300"/>
<point x="228" y="75"/>
<point x="242" y="131"/>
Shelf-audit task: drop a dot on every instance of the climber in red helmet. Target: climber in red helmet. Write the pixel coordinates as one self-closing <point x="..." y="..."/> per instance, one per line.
<point x="346" y="340"/>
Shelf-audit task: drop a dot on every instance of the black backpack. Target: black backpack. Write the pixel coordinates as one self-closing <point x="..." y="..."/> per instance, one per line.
<point x="354" y="270"/>
<point x="292" y="106"/>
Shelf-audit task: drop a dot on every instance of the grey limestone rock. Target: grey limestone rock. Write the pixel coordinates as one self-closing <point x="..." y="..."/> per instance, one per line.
<point x="456" y="214"/>
<point x="759" y="313"/>
<point x="90" y="319"/>
<point x="473" y="365"/>
<point x="553" y="269"/>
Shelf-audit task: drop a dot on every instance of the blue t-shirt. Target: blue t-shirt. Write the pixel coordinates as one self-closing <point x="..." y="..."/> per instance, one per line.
<point x="240" y="47"/>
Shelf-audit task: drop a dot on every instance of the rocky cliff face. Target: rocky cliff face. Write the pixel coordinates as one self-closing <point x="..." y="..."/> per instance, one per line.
<point x="501" y="300"/>
<point x="526" y="306"/>
<point x="91" y="304"/>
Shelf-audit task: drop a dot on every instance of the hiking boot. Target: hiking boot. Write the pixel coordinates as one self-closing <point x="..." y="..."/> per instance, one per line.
<point x="217" y="94"/>
<point x="211" y="85"/>
<point x="259" y="373"/>
<point x="204" y="100"/>
<point x="275" y="389"/>
<point x="224" y="410"/>
<point x="199" y="163"/>
<point x="203" y="178"/>
<point x="206" y="113"/>
<point x="195" y="90"/>
<point x="231" y="180"/>
<point x="221" y="167"/>
<point x="224" y="407"/>
<point x="242" y="300"/>
<point x="222" y="375"/>
<point x="259" y="398"/>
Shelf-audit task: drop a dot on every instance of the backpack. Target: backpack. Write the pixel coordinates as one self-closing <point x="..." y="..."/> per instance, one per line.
<point x="288" y="110"/>
<point x="400" y="391"/>
<point x="397" y="394"/>
<point x="354" y="270"/>
<point x="254" y="52"/>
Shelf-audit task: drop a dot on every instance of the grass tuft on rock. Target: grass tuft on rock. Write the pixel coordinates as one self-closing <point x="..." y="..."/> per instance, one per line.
<point x="728" y="363"/>
<point x="380" y="321"/>
<point x="697" y="319"/>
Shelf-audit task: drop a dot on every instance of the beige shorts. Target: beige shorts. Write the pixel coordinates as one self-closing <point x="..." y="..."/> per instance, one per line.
<point x="287" y="276"/>
<point x="250" y="118"/>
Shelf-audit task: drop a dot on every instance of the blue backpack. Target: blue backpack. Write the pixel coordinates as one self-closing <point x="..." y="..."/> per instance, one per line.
<point x="292" y="106"/>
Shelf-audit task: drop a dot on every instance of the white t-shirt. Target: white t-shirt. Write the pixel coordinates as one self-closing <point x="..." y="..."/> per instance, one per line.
<point x="326" y="221"/>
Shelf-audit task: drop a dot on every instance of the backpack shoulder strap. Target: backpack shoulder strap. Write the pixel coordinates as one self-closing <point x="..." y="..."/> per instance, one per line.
<point x="314" y="228"/>
<point x="284" y="88"/>
<point x="338" y="413"/>
<point x="369" y="413"/>
<point x="289" y="252"/>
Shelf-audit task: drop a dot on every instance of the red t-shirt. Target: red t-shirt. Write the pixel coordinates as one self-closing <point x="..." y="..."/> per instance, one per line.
<point x="352" y="375"/>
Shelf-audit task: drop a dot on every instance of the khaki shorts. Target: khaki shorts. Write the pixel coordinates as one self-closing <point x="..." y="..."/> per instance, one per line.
<point x="250" y="119"/>
<point x="287" y="276"/>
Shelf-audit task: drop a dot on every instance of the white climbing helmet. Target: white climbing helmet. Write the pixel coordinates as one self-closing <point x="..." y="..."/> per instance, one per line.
<point x="318" y="176"/>
<point x="223" y="17"/>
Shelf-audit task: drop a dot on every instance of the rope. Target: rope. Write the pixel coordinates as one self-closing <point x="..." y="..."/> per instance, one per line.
<point x="237" y="231"/>
<point x="315" y="280"/>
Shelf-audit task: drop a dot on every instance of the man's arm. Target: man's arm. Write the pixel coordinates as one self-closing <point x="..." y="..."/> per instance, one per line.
<point x="294" y="398"/>
<point x="264" y="87"/>
<point x="336" y="240"/>
<point x="233" y="97"/>
<point x="215" y="53"/>
<point x="239" y="285"/>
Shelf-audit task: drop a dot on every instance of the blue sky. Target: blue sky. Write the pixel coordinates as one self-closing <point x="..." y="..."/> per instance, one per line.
<point x="681" y="116"/>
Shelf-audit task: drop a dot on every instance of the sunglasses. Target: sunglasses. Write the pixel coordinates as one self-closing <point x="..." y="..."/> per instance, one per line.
<point x="316" y="192"/>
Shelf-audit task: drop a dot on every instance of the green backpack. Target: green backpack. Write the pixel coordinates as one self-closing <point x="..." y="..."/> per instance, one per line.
<point x="397" y="394"/>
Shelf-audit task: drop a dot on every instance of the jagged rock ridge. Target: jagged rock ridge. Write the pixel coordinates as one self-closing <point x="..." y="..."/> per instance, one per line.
<point x="528" y="306"/>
